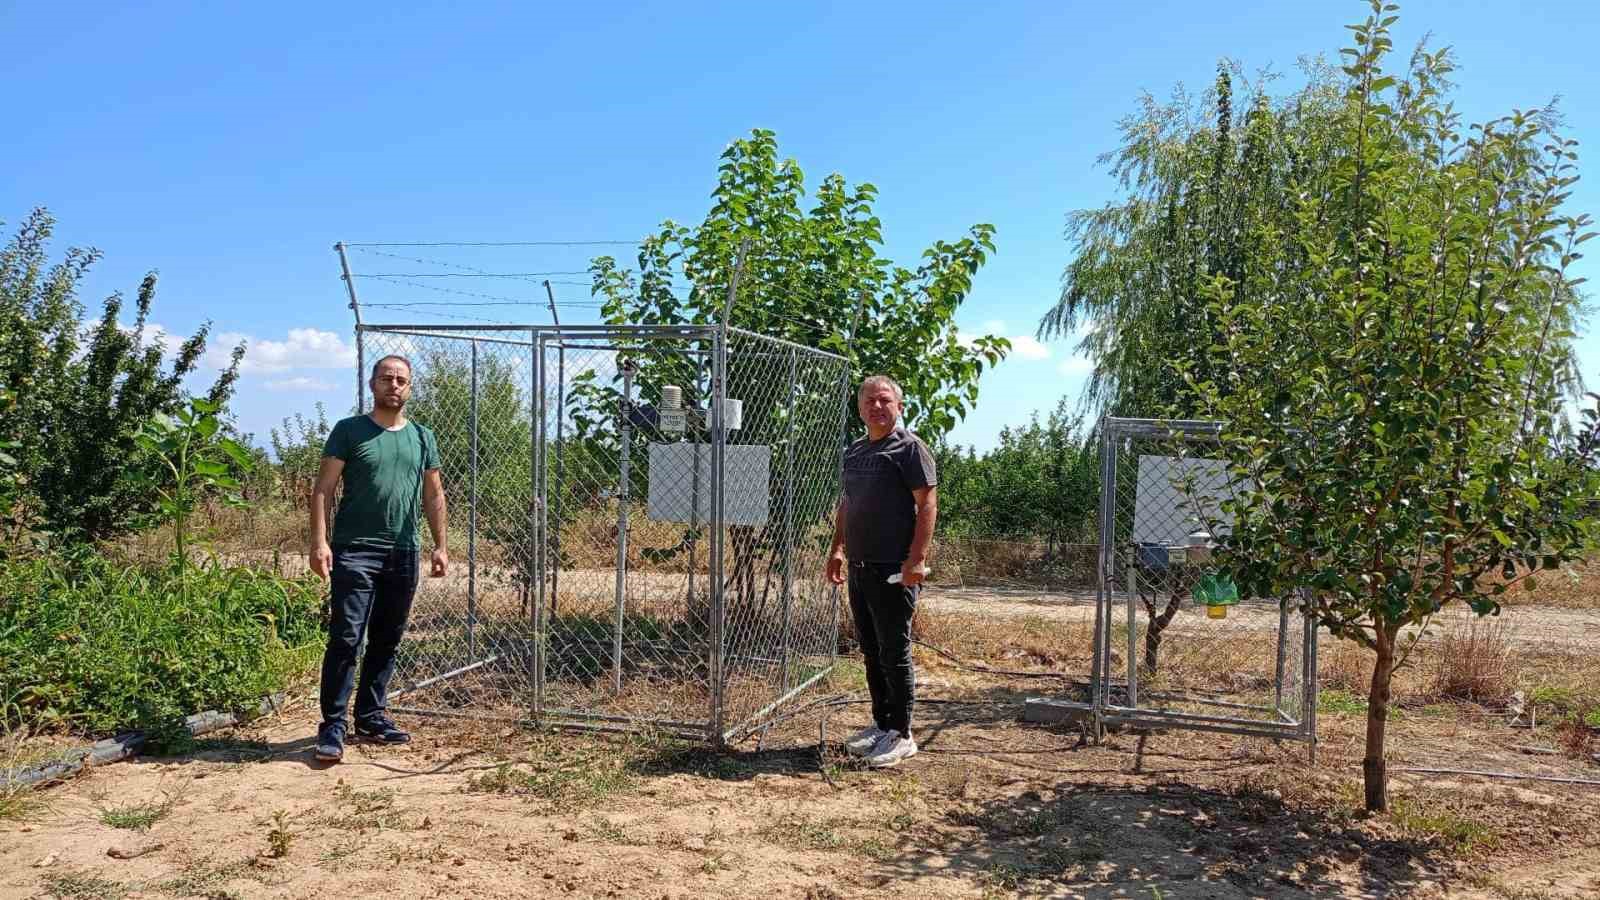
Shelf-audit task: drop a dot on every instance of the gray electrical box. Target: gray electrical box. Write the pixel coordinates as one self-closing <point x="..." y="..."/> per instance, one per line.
<point x="673" y="486"/>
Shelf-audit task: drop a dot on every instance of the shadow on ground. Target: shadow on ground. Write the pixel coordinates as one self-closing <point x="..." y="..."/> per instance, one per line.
<point x="1089" y="839"/>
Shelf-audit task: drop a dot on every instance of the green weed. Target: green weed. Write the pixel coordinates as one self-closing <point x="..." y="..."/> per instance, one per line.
<point x="85" y="885"/>
<point x="98" y="646"/>
<point x="803" y="833"/>
<point x="279" y="837"/>
<point x="1450" y="828"/>
<point x="138" y="816"/>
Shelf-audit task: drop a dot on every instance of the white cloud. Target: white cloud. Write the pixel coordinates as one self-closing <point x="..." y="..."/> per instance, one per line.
<point x="170" y="343"/>
<point x="1027" y="346"/>
<point x="1023" y="346"/>
<point x="1075" y="365"/>
<point x="305" y="348"/>
<point x="299" y="383"/>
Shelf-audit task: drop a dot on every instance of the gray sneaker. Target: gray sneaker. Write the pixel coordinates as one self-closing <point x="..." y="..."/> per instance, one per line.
<point x="890" y="750"/>
<point x="862" y="742"/>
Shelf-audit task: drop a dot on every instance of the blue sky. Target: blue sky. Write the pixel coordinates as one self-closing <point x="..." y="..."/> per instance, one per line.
<point x="229" y="146"/>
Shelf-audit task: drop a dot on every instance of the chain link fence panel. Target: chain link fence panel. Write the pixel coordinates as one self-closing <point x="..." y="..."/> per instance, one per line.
<point x="639" y="520"/>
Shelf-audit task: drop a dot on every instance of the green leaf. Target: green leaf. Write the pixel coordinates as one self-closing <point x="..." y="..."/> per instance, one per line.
<point x="238" y="454"/>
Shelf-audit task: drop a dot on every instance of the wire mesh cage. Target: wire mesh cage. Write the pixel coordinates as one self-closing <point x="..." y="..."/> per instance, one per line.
<point x="1180" y="646"/>
<point x="644" y="512"/>
<point x="1176" y="645"/>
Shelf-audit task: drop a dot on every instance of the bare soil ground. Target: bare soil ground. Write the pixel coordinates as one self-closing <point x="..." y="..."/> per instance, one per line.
<point x="992" y="807"/>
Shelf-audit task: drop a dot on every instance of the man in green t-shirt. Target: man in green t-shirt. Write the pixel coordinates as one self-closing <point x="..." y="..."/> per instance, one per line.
<point x="387" y="463"/>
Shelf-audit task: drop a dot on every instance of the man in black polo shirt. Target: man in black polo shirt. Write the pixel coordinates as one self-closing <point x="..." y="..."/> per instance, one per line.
<point x="881" y="533"/>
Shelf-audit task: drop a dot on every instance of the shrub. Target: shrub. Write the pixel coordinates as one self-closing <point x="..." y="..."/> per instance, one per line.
<point x="100" y="646"/>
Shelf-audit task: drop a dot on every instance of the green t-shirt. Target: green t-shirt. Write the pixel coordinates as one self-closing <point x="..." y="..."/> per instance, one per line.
<point x="382" y="481"/>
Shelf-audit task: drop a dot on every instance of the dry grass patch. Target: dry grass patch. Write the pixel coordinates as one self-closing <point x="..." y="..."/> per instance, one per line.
<point x="1475" y="661"/>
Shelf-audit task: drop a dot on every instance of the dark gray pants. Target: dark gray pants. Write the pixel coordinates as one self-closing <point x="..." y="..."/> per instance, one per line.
<point x="882" y="614"/>
<point x="372" y="593"/>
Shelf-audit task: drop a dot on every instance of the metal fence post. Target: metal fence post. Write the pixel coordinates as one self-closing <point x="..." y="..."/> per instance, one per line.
<point x="719" y="400"/>
<point x="626" y="411"/>
<point x="561" y="408"/>
<point x="1308" y="717"/>
<point x="541" y="549"/>
<point x="1101" y="675"/>
<point x="472" y="511"/>
<point x="355" y="307"/>
<point x="788" y="524"/>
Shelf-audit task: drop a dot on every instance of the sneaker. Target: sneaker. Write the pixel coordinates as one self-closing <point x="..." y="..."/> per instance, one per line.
<point x="864" y="740"/>
<point x="890" y="750"/>
<point x="330" y="742"/>
<point x="383" y="730"/>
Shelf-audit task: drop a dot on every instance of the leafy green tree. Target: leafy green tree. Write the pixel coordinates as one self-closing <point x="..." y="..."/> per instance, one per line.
<point x="297" y="449"/>
<point x="79" y="402"/>
<point x="813" y="276"/>
<point x="442" y="400"/>
<point x="17" y="518"/>
<point x="1397" y="402"/>
<point x="1041" y="481"/>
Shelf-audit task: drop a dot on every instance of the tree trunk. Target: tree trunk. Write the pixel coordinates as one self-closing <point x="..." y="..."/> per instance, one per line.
<point x="1157" y="624"/>
<point x="1374" y="773"/>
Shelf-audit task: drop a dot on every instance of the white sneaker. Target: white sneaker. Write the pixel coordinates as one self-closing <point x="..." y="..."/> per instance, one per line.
<point x="862" y="742"/>
<point x="891" y="749"/>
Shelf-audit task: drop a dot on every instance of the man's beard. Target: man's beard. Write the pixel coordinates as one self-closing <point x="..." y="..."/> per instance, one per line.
<point x="394" y="403"/>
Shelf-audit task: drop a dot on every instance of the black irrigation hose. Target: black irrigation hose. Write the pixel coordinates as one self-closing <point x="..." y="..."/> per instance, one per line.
<point x="123" y="746"/>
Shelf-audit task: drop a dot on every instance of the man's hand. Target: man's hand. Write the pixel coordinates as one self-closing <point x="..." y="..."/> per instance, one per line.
<point x="441" y="562"/>
<point x="321" y="560"/>
<point x="912" y="572"/>
<point x="835" y="570"/>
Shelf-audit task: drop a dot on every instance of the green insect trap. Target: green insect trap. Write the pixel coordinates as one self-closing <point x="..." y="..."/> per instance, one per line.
<point x="1216" y="593"/>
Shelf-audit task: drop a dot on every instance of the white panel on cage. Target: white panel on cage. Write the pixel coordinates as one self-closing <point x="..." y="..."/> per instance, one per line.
<point x="746" y="483"/>
<point x="1177" y="497"/>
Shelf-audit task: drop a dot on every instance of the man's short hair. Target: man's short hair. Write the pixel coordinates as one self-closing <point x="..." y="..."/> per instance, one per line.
<point x="884" y="381"/>
<point x="379" y="364"/>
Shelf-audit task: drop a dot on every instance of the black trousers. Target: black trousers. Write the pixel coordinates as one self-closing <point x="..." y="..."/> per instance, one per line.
<point x="882" y="613"/>
<point x="372" y="593"/>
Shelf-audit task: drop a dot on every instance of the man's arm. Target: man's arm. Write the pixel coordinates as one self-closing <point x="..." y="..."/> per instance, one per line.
<point x="321" y="495"/>
<point x="927" y="500"/>
<point x="835" y="569"/>
<point x="433" y="507"/>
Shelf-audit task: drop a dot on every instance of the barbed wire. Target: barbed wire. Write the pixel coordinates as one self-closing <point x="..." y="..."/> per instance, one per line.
<point x="450" y="304"/>
<point x="429" y="312"/>
<point x="480" y="296"/>
<point x="368" y="244"/>
<point x="522" y="275"/>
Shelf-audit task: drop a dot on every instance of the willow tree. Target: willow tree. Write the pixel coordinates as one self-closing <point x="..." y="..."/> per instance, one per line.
<point x="1203" y="177"/>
